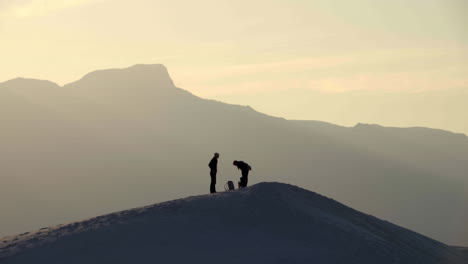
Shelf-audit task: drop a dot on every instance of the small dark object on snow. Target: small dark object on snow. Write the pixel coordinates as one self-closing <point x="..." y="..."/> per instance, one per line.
<point x="229" y="186"/>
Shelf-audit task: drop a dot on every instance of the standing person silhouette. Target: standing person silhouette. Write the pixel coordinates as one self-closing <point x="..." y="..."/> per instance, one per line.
<point x="245" y="168"/>
<point x="213" y="170"/>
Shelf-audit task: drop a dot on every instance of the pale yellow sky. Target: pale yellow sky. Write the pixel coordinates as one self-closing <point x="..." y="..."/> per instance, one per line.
<point x="256" y="51"/>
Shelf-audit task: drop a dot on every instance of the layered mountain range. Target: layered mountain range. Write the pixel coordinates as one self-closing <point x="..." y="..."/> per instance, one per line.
<point x="120" y="138"/>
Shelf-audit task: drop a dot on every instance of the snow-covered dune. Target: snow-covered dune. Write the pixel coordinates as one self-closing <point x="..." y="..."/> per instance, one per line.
<point x="265" y="223"/>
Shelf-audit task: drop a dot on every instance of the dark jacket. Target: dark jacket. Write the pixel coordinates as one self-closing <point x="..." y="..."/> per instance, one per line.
<point x="213" y="164"/>
<point x="243" y="166"/>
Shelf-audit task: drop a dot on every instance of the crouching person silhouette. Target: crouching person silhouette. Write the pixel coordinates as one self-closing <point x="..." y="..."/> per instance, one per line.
<point x="245" y="168"/>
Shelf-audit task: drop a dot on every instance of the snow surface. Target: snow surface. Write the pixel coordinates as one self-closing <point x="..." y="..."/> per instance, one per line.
<point x="265" y="223"/>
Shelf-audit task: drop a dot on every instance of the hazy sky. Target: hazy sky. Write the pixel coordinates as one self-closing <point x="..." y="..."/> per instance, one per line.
<point x="256" y="51"/>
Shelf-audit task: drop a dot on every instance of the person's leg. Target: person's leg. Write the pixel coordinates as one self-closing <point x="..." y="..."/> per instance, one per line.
<point x="213" y="182"/>
<point x="243" y="182"/>
<point x="244" y="178"/>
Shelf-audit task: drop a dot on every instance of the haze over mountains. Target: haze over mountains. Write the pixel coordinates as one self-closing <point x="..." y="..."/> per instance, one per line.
<point x="121" y="138"/>
<point x="443" y="109"/>
<point x="265" y="223"/>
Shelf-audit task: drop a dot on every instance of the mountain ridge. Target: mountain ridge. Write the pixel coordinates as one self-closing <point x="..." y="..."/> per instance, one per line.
<point x="162" y="76"/>
<point x="21" y="81"/>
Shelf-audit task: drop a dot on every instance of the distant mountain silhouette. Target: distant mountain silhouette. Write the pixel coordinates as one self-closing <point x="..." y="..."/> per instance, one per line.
<point x="265" y="223"/>
<point x="120" y="138"/>
<point x="24" y="83"/>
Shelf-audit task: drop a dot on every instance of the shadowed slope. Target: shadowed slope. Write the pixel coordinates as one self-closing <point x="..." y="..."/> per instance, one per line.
<point x="265" y="223"/>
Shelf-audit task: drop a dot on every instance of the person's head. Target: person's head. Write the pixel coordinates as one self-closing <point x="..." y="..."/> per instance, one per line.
<point x="234" y="163"/>
<point x="216" y="155"/>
